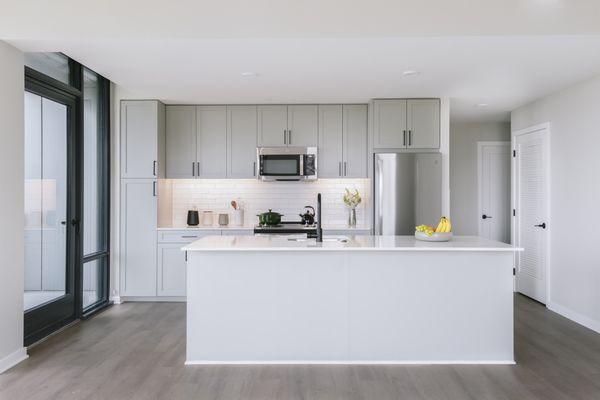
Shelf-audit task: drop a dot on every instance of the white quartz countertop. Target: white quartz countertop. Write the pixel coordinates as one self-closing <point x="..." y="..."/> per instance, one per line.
<point x="353" y="243"/>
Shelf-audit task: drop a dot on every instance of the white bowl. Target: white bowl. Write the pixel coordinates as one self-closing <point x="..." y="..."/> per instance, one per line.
<point x="435" y="237"/>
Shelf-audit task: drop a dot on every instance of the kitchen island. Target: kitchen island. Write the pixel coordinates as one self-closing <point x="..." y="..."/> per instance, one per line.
<point x="367" y="299"/>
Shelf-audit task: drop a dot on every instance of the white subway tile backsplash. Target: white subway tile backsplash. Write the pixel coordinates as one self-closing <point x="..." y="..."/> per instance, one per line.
<point x="288" y="198"/>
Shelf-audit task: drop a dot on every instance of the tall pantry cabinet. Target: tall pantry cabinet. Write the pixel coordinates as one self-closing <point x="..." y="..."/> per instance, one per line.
<point x="142" y="164"/>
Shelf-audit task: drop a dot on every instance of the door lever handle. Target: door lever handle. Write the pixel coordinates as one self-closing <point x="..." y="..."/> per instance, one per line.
<point x="542" y="225"/>
<point x="485" y="216"/>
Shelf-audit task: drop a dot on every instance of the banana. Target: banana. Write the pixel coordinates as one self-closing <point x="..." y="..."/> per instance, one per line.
<point x="440" y="227"/>
<point x="448" y="225"/>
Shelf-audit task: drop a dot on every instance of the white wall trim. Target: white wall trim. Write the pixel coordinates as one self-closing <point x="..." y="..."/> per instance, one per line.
<point x="535" y="128"/>
<point x="116" y="299"/>
<point x="574" y="316"/>
<point x="13" y="359"/>
<point x="351" y="362"/>
<point x="480" y="146"/>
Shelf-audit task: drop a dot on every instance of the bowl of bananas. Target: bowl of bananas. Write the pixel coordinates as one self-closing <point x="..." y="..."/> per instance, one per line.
<point x="442" y="233"/>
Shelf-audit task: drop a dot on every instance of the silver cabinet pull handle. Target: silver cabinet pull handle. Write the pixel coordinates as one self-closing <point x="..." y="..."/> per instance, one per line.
<point x="189" y="237"/>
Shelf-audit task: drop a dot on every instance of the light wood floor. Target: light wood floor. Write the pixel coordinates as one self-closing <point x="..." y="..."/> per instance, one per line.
<point x="136" y="351"/>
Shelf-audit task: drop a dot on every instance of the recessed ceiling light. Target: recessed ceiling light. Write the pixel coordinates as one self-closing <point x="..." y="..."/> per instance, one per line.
<point x="410" y="72"/>
<point x="481" y="105"/>
<point x="249" y="74"/>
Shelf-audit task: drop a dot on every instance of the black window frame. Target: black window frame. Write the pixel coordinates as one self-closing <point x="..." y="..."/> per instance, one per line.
<point x="41" y="83"/>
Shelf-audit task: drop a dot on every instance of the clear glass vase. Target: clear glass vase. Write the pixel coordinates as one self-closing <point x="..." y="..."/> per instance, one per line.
<point x="352" y="217"/>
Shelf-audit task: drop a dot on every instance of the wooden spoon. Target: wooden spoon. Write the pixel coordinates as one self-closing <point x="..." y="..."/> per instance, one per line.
<point x="234" y="204"/>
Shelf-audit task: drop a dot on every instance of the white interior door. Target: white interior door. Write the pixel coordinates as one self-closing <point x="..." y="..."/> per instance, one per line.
<point x="531" y="233"/>
<point x="494" y="190"/>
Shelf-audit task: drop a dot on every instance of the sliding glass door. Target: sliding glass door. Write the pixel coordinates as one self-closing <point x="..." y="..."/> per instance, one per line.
<point x="50" y="223"/>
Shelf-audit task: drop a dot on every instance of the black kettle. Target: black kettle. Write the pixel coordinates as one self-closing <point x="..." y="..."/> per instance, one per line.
<point x="308" y="218"/>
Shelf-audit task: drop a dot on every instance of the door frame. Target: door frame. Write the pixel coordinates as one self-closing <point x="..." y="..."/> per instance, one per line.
<point x="480" y="146"/>
<point x="545" y="129"/>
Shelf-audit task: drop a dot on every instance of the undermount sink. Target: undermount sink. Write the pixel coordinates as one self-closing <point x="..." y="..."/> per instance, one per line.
<point x="338" y="239"/>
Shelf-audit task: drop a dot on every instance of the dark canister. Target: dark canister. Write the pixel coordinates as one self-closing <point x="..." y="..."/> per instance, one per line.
<point x="192" y="218"/>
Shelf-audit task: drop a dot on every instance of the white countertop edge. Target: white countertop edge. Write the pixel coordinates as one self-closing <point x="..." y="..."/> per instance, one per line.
<point x="248" y="227"/>
<point x="341" y="248"/>
<point x="355" y="362"/>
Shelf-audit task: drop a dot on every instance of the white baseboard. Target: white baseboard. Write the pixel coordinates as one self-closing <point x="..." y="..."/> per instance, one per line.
<point x="13" y="359"/>
<point x="116" y="299"/>
<point x="574" y="316"/>
<point x="345" y="362"/>
<point x="164" y="299"/>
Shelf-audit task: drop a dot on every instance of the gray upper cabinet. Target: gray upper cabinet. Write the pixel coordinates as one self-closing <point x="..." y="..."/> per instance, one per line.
<point x="423" y="123"/>
<point x="211" y="141"/>
<point x="355" y="141"/>
<point x="242" y="128"/>
<point x="343" y="141"/>
<point x="303" y="125"/>
<point x="412" y="124"/>
<point x="181" y="142"/>
<point x="330" y="141"/>
<point x="142" y="139"/>
<point x="389" y="123"/>
<point x="272" y="125"/>
<point x="138" y="237"/>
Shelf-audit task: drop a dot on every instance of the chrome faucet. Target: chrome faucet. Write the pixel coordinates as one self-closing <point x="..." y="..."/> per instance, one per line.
<point x="319" y="228"/>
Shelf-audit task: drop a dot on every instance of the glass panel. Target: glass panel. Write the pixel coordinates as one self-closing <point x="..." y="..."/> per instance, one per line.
<point x="280" y="165"/>
<point x="55" y="65"/>
<point x="45" y="200"/>
<point x="93" y="272"/>
<point x="94" y="167"/>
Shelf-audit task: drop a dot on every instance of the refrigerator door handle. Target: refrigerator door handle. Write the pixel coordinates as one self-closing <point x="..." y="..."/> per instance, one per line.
<point x="378" y="196"/>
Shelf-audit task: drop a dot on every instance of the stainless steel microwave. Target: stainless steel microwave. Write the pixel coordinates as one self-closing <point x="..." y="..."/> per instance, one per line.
<point x="286" y="163"/>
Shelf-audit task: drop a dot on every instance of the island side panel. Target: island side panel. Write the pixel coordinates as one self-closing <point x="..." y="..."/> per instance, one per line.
<point x="261" y="306"/>
<point x="439" y="307"/>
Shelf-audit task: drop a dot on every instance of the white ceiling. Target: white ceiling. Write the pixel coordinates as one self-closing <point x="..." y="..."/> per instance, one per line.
<point x="503" y="53"/>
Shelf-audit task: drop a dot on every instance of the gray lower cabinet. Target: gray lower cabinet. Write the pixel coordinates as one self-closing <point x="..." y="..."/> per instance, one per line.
<point x="138" y="237"/>
<point x="406" y="124"/>
<point x="181" y="142"/>
<point x="170" y="270"/>
<point x="142" y="139"/>
<point x="242" y="131"/>
<point x="211" y="153"/>
<point x="343" y="141"/>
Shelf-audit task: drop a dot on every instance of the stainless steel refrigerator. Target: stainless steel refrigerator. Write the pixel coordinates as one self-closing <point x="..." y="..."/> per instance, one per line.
<point x="407" y="191"/>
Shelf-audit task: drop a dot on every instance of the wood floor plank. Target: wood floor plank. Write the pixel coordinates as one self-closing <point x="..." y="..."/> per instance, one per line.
<point x="137" y="350"/>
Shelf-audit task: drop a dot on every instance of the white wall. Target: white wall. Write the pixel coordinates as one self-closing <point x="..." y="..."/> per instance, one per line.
<point x="574" y="117"/>
<point x="463" y="170"/>
<point x="11" y="206"/>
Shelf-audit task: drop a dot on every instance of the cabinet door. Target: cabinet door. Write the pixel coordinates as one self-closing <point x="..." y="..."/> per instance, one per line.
<point x="212" y="141"/>
<point x="389" y="124"/>
<point x="423" y="123"/>
<point x="272" y="125"/>
<point x="181" y="142"/>
<point x="330" y="141"/>
<point x="138" y="237"/>
<point x="241" y="141"/>
<point x="303" y="125"/>
<point x="171" y="270"/>
<point x="139" y="139"/>
<point x="355" y="141"/>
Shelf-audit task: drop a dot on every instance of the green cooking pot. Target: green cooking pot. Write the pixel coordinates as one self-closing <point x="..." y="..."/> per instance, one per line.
<point x="269" y="218"/>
